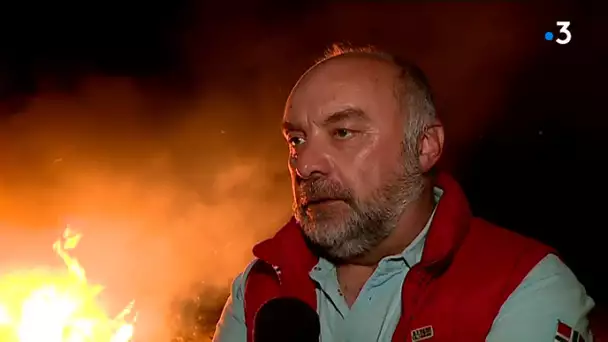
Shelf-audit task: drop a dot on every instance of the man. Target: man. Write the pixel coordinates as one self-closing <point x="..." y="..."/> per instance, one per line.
<point x="382" y="246"/>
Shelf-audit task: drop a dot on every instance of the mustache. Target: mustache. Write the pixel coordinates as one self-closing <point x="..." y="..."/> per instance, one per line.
<point x="318" y="190"/>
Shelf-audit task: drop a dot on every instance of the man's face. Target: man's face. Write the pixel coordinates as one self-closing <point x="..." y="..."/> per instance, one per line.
<point x="352" y="173"/>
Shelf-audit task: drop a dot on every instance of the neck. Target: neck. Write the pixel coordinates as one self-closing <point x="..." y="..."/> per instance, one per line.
<point x="412" y="221"/>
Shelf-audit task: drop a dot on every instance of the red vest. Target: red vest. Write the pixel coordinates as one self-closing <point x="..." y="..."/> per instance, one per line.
<point x="468" y="269"/>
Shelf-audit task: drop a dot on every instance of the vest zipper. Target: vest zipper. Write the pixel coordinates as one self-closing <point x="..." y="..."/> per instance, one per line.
<point x="422" y="279"/>
<point x="277" y="271"/>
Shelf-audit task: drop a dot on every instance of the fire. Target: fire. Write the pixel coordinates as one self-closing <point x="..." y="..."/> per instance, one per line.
<point x="44" y="306"/>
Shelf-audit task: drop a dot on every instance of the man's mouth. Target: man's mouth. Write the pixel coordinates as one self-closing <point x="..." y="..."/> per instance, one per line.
<point x="321" y="201"/>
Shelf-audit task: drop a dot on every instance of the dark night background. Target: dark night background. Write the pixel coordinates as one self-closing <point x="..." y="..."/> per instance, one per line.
<point x="168" y="98"/>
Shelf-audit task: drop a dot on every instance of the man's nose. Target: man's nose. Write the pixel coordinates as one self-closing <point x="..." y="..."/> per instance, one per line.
<point x="311" y="161"/>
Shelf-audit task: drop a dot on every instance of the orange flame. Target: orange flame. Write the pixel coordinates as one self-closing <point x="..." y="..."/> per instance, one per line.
<point x="43" y="306"/>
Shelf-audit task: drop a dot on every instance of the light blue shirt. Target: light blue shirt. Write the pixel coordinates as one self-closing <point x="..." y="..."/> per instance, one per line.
<point x="550" y="292"/>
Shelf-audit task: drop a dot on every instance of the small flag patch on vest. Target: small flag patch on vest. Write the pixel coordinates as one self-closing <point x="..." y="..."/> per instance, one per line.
<point x="422" y="334"/>
<point x="565" y="333"/>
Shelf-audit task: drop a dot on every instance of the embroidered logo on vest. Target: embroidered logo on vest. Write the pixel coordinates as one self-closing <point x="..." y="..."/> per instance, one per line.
<point x="422" y="334"/>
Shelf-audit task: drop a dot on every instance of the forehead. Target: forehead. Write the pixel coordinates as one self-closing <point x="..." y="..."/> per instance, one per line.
<point x="346" y="82"/>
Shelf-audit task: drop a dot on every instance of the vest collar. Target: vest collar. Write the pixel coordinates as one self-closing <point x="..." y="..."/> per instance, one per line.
<point x="289" y="250"/>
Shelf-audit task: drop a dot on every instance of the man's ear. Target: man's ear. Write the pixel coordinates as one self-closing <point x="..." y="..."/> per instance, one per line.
<point x="430" y="146"/>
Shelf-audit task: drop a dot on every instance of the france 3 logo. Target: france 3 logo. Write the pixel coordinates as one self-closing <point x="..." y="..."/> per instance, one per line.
<point x="563" y="37"/>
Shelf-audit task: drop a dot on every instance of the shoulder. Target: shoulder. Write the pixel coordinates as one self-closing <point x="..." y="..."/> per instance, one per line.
<point x="497" y="261"/>
<point x="494" y="236"/>
<point x="553" y="284"/>
<point x="232" y="323"/>
<point x="502" y="248"/>
<point x="240" y="281"/>
<point x="549" y="298"/>
<point x="498" y="253"/>
<point x="255" y="284"/>
<point x="236" y="301"/>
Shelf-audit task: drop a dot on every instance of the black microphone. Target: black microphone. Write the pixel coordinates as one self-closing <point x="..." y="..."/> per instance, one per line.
<point x="286" y="320"/>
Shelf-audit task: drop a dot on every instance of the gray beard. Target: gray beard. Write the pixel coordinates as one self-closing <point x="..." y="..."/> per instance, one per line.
<point x="357" y="226"/>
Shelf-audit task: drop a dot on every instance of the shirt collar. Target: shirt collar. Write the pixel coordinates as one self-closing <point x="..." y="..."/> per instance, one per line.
<point x="413" y="252"/>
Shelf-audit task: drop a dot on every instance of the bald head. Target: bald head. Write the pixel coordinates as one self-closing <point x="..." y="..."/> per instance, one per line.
<point x="357" y="82"/>
<point x="410" y="85"/>
<point x="353" y="172"/>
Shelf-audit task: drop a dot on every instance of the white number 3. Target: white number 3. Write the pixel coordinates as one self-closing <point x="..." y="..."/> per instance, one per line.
<point x="564" y="30"/>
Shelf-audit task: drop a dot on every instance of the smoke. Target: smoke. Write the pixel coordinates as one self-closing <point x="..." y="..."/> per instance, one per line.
<point x="161" y="208"/>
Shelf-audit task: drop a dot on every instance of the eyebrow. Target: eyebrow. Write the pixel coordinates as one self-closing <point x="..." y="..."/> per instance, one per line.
<point x="347" y="114"/>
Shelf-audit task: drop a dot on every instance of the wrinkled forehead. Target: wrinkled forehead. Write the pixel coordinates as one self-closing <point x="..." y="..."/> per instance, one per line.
<point x="363" y="84"/>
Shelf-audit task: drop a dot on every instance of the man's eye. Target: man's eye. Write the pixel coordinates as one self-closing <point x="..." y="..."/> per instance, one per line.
<point x="343" y="133"/>
<point x="295" y="141"/>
